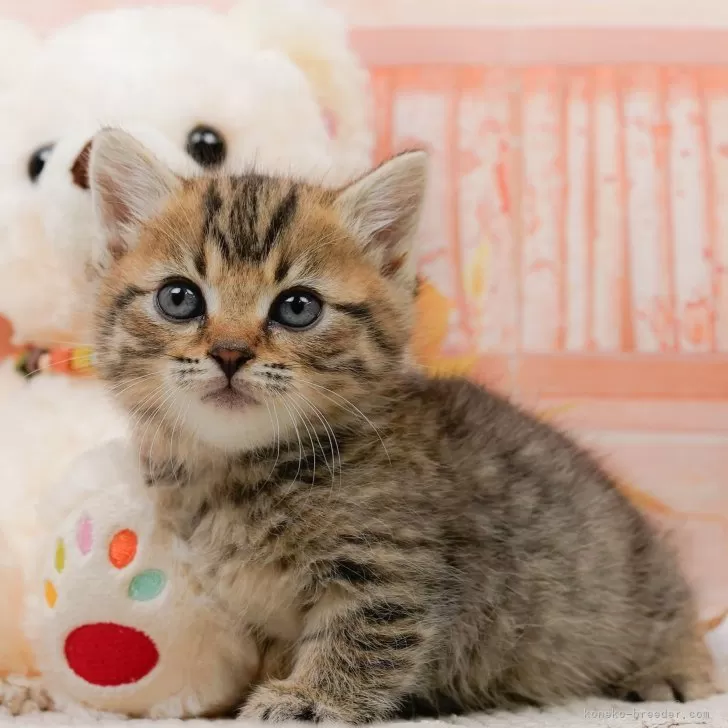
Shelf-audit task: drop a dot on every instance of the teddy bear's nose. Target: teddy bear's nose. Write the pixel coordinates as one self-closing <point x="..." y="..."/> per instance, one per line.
<point x="79" y="168"/>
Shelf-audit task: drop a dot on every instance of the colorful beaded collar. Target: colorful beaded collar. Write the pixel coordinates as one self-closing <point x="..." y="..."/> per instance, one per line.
<point x="74" y="361"/>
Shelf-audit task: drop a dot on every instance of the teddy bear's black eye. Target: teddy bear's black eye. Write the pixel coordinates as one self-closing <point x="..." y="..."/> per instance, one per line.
<point x="38" y="160"/>
<point x="206" y="146"/>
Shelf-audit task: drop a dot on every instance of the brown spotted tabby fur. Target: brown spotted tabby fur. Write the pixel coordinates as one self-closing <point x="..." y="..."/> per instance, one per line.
<point x="395" y="541"/>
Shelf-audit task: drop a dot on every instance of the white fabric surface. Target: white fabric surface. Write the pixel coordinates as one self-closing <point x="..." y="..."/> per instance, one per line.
<point x="590" y="714"/>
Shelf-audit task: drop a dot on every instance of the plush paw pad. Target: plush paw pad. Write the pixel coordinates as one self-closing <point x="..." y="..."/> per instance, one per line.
<point x="105" y="653"/>
<point x="123" y="548"/>
<point x="108" y="655"/>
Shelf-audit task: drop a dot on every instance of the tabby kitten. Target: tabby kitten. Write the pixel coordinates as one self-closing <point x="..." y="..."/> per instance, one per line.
<point x="393" y="539"/>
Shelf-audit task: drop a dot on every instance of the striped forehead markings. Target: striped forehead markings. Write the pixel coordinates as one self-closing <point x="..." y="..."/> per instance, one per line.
<point x="236" y="235"/>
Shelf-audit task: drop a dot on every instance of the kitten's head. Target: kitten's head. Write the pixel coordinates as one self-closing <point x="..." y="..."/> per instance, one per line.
<point x="242" y="307"/>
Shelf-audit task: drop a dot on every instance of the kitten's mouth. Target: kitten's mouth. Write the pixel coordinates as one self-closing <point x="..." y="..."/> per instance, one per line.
<point x="229" y="398"/>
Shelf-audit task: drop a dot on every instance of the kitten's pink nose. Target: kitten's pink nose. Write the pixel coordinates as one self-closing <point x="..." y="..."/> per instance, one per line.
<point x="230" y="360"/>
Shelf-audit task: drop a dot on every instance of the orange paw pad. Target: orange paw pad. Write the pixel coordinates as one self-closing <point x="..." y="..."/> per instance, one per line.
<point x="123" y="548"/>
<point x="51" y="595"/>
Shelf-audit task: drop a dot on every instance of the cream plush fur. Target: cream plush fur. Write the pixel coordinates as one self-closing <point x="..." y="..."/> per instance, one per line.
<point x="278" y="81"/>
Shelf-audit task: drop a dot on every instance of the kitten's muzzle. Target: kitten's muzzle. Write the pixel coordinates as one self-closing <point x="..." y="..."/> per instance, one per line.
<point x="231" y="359"/>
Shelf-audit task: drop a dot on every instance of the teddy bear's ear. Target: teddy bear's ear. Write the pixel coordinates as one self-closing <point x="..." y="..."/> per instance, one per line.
<point x="315" y="38"/>
<point x="19" y="46"/>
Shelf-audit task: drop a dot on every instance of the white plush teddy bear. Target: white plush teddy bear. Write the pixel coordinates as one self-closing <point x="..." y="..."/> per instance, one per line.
<point x="273" y="84"/>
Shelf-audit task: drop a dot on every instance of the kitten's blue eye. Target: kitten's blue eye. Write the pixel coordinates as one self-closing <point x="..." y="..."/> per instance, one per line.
<point x="297" y="309"/>
<point x="180" y="301"/>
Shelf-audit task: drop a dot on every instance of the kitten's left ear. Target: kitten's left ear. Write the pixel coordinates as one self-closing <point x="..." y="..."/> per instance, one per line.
<point x="129" y="186"/>
<point x="382" y="210"/>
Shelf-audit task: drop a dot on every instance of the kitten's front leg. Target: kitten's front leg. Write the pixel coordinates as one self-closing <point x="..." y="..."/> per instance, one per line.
<point x="352" y="666"/>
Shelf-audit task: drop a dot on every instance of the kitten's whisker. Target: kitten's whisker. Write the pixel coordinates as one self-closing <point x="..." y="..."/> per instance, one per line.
<point x="305" y="422"/>
<point x="335" y="443"/>
<point x="300" y="451"/>
<point x="278" y="451"/>
<point x="313" y="447"/>
<point x="143" y="440"/>
<point x="142" y="403"/>
<point x="332" y="435"/>
<point x="174" y="427"/>
<point x="171" y="392"/>
<point x="278" y="435"/>
<point x="127" y="380"/>
<point x="137" y="417"/>
<point x="354" y="410"/>
<point x="151" y="400"/>
<point x="182" y="423"/>
<point x="135" y="413"/>
<point x="324" y="420"/>
<point x="140" y="412"/>
<point x="318" y="440"/>
<point x="329" y="432"/>
<point x="127" y="384"/>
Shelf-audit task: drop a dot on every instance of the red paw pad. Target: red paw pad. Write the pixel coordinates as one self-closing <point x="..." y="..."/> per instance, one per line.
<point x="108" y="655"/>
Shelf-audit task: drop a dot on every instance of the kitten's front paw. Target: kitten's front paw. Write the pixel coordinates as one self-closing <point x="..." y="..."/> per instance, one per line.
<point x="282" y="700"/>
<point x="22" y="695"/>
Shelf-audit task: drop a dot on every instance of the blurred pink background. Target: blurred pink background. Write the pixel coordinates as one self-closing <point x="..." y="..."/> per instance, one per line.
<point x="539" y="31"/>
<point x="646" y="13"/>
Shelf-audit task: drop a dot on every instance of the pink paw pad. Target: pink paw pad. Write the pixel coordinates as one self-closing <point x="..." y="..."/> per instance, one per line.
<point x="84" y="535"/>
<point x="331" y="123"/>
<point x="105" y="653"/>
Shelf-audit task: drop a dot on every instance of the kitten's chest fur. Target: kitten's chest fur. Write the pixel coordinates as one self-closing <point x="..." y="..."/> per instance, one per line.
<point x="237" y="545"/>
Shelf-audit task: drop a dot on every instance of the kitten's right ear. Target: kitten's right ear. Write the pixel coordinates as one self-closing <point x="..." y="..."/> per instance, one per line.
<point x="129" y="186"/>
<point x="383" y="208"/>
